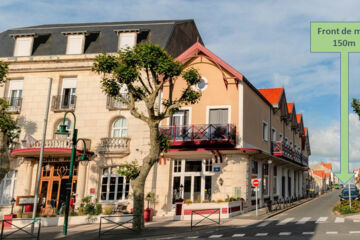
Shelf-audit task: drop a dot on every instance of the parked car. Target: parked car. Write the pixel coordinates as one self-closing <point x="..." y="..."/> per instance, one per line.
<point x="354" y="194"/>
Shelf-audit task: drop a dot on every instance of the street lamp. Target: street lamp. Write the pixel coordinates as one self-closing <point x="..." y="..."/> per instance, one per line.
<point x="12" y="205"/>
<point x="63" y="131"/>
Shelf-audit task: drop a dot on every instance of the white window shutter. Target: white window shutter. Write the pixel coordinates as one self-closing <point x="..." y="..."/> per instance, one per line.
<point x="127" y="40"/>
<point x="23" y="46"/>
<point x="75" y="44"/>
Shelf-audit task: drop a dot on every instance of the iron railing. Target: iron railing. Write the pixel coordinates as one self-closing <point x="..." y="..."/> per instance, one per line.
<point x="205" y="214"/>
<point x="114" y="104"/>
<point x="282" y="149"/>
<point x="115" y="224"/>
<point x="27" y="230"/>
<point x="204" y="133"/>
<point x="14" y="104"/>
<point x="63" y="102"/>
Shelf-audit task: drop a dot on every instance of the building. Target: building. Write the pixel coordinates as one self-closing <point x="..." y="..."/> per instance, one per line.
<point x="326" y="168"/>
<point x="235" y="133"/>
<point x="66" y="53"/>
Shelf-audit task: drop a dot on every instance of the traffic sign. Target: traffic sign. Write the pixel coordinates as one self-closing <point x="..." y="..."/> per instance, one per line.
<point x="255" y="182"/>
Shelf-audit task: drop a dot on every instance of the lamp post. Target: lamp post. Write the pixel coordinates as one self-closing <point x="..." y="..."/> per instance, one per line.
<point x="63" y="131"/>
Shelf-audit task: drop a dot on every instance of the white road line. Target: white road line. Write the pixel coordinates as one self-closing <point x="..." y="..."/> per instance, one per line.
<point x="263" y="224"/>
<point x="193" y="237"/>
<point x="261" y="234"/>
<point x="285" y="221"/>
<point x="331" y="232"/>
<point x="354" y="232"/>
<point x="339" y="220"/>
<point x="321" y="219"/>
<point x="284" y="233"/>
<point x="216" y="236"/>
<point x="356" y="220"/>
<point x="238" y="235"/>
<point x="303" y="220"/>
<point x="308" y="233"/>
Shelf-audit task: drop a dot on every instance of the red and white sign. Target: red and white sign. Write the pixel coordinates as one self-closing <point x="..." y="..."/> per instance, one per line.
<point x="255" y="182"/>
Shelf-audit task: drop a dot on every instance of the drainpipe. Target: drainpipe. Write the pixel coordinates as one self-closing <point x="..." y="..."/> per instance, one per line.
<point x="269" y="164"/>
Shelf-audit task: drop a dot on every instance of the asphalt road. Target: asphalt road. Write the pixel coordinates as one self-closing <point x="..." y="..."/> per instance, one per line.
<point x="312" y="220"/>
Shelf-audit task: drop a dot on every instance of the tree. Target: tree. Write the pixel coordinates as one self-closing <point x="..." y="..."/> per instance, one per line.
<point x="355" y="104"/>
<point x="144" y="71"/>
<point x="9" y="130"/>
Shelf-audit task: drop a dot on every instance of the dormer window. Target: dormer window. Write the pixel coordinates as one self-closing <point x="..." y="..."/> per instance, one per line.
<point x="127" y="38"/>
<point x="23" y="44"/>
<point x="75" y="42"/>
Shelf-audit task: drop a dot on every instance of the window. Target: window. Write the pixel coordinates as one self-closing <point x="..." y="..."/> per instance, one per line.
<point x="286" y="140"/>
<point x="75" y="44"/>
<point x="177" y="166"/>
<point x="127" y="40"/>
<point x="280" y="137"/>
<point x="254" y="174"/>
<point x="7" y="187"/>
<point x="202" y="85"/>
<point x="119" y="128"/>
<point x="180" y="118"/>
<point x="219" y="116"/>
<point x="23" y="46"/>
<point x="68" y="93"/>
<point x="265" y="181"/>
<point x="265" y="131"/>
<point x="273" y="135"/>
<point x="15" y="94"/>
<point x="114" y="187"/>
<point x="274" y="183"/>
<point x="208" y="165"/>
<point x="193" y="166"/>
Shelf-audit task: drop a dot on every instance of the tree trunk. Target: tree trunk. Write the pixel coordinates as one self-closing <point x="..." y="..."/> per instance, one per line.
<point x="138" y="184"/>
<point x="4" y="155"/>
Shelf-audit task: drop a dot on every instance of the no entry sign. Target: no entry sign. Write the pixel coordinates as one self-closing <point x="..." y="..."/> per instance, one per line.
<point x="255" y="182"/>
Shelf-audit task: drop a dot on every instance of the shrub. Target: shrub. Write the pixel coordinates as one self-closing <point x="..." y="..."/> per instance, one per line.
<point x="219" y="201"/>
<point x="73" y="213"/>
<point x="98" y="209"/>
<point x="187" y="201"/>
<point x="108" y="210"/>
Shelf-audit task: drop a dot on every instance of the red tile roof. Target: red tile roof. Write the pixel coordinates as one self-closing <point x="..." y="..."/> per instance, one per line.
<point x="290" y="107"/>
<point x="305" y="131"/>
<point x="327" y="175"/>
<point x="319" y="173"/>
<point x="272" y="94"/>
<point x="327" y="165"/>
<point x="198" y="47"/>
<point x="298" y="117"/>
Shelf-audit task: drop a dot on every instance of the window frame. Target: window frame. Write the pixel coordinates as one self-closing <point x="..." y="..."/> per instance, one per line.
<point x="126" y="182"/>
<point x="28" y="51"/>
<point x="122" y="34"/>
<point x="12" y="180"/>
<point x="68" y="44"/>
<point x="122" y="128"/>
<point x="265" y="132"/>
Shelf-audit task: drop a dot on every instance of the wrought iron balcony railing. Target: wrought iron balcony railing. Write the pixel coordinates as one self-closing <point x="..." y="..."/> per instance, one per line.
<point x="56" y="143"/>
<point x="114" y="104"/>
<point x="63" y="102"/>
<point x="204" y="134"/>
<point x="282" y="149"/>
<point x="114" y="145"/>
<point x="14" y="104"/>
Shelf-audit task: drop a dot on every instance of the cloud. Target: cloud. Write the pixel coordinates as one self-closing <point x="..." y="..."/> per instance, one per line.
<point x="325" y="143"/>
<point x="281" y="80"/>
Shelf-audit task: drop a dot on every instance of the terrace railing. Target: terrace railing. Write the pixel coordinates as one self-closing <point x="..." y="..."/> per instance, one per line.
<point x="282" y="149"/>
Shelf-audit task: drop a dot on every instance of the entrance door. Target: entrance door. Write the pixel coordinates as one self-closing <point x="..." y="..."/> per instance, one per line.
<point x="283" y="186"/>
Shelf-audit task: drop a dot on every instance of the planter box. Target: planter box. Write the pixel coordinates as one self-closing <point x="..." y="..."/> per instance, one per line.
<point x="227" y="210"/>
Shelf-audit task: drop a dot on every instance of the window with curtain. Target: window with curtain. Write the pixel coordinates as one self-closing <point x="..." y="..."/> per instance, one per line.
<point x="119" y="128"/>
<point x="7" y="187"/>
<point x="114" y="187"/>
<point x="218" y="116"/>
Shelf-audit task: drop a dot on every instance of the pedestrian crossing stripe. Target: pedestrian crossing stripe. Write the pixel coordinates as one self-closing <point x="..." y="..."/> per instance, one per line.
<point x="238" y="235"/>
<point x="285" y="221"/>
<point x="339" y="220"/>
<point x="264" y="224"/>
<point x="284" y="233"/>
<point x="321" y="219"/>
<point x="216" y="236"/>
<point x="303" y="220"/>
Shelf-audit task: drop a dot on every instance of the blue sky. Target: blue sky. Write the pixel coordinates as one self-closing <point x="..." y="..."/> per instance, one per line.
<point x="267" y="41"/>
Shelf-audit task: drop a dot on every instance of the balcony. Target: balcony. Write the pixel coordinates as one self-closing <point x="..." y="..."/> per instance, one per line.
<point x="114" y="104"/>
<point x="114" y="146"/>
<point x="63" y="103"/>
<point x="213" y="135"/>
<point x="282" y="149"/>
<point x="14" y="104"/>
<point x="52" y="147"/>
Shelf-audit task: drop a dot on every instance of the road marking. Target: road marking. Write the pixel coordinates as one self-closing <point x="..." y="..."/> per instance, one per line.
<point x="261" y="234"/>
<point x="285" y="234"/>
<point x="216" y="236"/>
<point x="285" y="221"/>
<point x="193" y="237"/>
<point x="303" y="220"/>
<point x="339" y="220"/>
<point x="321" y="219"/>
<point x="331" y="232"/>
<point x="263" y="224"/>
<point x="354" y="232"/>
<point x="238" y="235"/>
<point x="356" y="220"/>
<point x="308" y="233"/>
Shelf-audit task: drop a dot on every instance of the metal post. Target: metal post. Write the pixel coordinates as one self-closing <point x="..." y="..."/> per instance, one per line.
<point x="68" y="187"/>
<point x="349" y="196"/>
<point x="256" y="200"/>
<point x="41" y="155"/>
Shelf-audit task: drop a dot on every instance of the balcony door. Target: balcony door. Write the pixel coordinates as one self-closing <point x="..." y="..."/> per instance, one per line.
<point x="218" y="120"/>
<point x="15" y="94"/>
<point x="68" y="92"/>
<point x="179" y="123"/>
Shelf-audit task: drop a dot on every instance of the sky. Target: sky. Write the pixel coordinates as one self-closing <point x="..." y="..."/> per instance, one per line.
<point x="267" y="41"/>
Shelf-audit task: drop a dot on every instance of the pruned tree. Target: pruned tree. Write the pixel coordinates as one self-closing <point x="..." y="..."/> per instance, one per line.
<point x="144" y="71"/>
<point x="355" y="104"/>
<point x="9" y="130"/>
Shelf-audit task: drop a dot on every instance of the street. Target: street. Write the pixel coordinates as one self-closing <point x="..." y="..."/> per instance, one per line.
<point x="312" y="220"/>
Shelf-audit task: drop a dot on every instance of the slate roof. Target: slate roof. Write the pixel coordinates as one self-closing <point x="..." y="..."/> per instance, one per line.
<point x="175" y="36"/>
